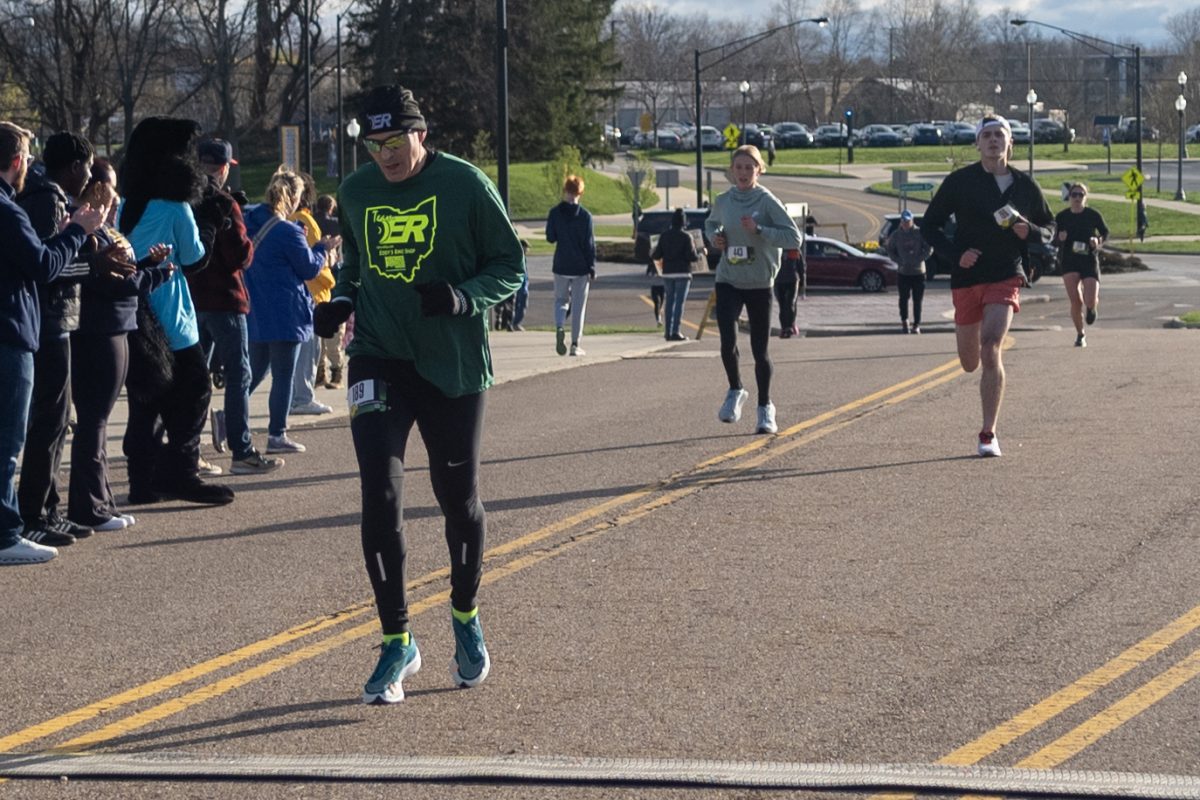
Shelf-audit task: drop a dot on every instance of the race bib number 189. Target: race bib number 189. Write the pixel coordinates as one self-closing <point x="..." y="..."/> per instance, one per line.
<point x="366" y="396"/>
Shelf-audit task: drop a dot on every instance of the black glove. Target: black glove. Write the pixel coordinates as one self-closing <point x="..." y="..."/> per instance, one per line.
<point x="240" y="198"/>
<point x="439" y="298"/>
<point x="328" y="317"/>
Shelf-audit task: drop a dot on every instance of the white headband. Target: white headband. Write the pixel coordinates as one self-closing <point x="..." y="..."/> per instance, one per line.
<point x="993" y="122"/>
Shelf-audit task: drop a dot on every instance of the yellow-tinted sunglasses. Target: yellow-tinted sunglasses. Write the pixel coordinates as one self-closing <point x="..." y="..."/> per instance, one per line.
<point x="398" y="142"/>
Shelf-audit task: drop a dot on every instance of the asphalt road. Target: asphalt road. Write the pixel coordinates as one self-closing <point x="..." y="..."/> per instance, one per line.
<point x="858" y="589"/>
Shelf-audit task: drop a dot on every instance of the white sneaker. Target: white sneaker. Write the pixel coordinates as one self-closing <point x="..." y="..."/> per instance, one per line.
<point x="116" y="523"/>
<point x="989" y="445"/>
<point x="27" y="552"/>
<point x="766" y="419"/>
<point x="282" y="444"/>
<point x="731" y="409"/>
<point x="206" y="467"/>
<point x="313" y="407"/>
<point x="576" y="350"/>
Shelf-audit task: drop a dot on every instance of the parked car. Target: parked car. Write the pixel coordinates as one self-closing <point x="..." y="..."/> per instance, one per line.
<point x="1052" y="132"/>
<point x="1126" y="131"/>
<point x="923" y="133"/>
<point x="879" y="136"/>
<point x="756" y="134"/>
<point x="832" y="135"/>
<point x="792" y="134"/>
<point x="902" y="132"/>
<point x="834" y="263"/>
<point x="653" y="223"/>
<point x="1020" y="131"/>
<point x="667" y="139"/>
<point x="1043" y="257"/>
<point x="710" y="139"/>
<point x="958" y="133"/>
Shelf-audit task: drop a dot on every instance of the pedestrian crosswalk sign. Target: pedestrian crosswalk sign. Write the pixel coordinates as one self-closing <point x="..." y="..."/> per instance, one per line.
<point x="1133" y="179"/>
<point x="732" y="135"/>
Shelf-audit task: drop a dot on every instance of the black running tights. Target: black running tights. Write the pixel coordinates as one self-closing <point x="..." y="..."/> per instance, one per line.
<point x="757" y="303"/>
<point x="386" y="398"/>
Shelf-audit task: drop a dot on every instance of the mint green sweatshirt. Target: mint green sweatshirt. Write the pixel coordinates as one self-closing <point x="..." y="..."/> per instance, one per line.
<point x="751" y="260"/>
<point x="444" y="223"/>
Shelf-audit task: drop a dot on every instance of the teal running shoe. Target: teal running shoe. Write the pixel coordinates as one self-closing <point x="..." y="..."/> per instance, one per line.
<point x="471" y="662"/>
<point x="396" y="662"/>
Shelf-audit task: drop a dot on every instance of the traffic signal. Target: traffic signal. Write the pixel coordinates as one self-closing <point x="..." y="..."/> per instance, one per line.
<point x="849" y="135"/>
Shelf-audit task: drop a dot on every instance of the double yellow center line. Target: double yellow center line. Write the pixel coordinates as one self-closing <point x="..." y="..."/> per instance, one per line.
<point x="500" y="562"/>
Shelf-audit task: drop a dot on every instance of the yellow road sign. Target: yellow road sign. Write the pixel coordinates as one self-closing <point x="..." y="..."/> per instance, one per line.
<point x="1133" y="179"/>
<point x="732" y="135"/>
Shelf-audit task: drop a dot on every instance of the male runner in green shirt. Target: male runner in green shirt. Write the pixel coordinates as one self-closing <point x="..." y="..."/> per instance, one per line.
<point x="428" y="248"/>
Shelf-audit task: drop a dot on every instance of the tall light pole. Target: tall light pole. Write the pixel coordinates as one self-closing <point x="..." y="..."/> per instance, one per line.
<point x="744" y="88"/>
<point x="1031" y="98"/>
<point x="341" y="151"/>
<point x="353" y="130"/>
<point x="1135" y="52"/>
<point x="1180" y="105"/>
<point x="741" y="44"/>
<point x="998" y="91"/>
<point x="502" y="101"/>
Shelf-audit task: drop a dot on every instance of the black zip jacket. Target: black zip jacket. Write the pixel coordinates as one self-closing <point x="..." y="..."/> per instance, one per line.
<point x="677" y="250"/>
<point x="972" y="196"/>
<point x="46" y="204"/>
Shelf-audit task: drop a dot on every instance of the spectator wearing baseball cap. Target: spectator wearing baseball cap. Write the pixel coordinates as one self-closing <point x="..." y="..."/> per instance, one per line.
<point x="216" y="152"/>
<point x="908" y="249"/>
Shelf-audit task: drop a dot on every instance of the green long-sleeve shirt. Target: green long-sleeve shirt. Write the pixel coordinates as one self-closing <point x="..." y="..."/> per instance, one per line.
<point x="444" y="223"/>
<point x="751" y="260"/>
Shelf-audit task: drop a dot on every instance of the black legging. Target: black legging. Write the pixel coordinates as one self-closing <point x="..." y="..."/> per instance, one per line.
<point x="911" y="285"/>
<point x="757" y="302"/>
<point x="451" y="428"/>
<point x="786" y="294"/>
<point x="99" y="363"/>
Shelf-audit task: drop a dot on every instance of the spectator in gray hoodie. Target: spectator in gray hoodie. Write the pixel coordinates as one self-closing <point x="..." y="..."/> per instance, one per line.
<point x="909" y="250"/>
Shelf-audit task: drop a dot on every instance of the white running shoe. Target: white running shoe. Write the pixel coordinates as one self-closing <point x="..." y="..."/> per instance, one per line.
<point x="117" y="523"/>
<point x="26" y="552"/>
<point x="731" y="409"/>
<point x="989" y="445"/>
<point x="282" y="444"/>
<point x="312" y="407"/>
<point x="766" y="419"/>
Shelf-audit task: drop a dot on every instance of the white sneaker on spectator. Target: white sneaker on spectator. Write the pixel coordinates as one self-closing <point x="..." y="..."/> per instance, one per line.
<point x="208" y="468"/>
<point x="313" y="407"/>
<point x="26" y="552"/>
<point x="116" y="523"/>
<point x="255" y="463"/>
<point x="282" y="444"/>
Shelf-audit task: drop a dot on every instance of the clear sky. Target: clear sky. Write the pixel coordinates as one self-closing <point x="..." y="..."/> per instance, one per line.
<point x="1127" y="21"/>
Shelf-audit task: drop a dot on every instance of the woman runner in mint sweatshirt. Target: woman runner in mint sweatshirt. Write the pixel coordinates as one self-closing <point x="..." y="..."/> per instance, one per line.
<point x="750" y="227"/>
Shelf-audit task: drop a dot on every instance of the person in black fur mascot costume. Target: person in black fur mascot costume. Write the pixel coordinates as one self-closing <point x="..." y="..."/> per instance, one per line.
<point x="168" y="382"/>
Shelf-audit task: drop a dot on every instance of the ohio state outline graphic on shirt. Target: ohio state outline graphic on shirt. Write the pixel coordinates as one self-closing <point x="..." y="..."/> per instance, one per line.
<point x="398" y="241"/>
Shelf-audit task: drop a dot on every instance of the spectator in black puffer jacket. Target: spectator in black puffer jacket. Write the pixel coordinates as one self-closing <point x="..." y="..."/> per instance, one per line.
<point x="677" y="250"/>
<point x="66" y="168"/>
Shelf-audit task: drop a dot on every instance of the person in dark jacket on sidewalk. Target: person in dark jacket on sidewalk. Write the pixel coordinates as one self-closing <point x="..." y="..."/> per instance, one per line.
<point x="569" y="228"/>
<point x="100" y="351"/>
<point x="65" y="169"/>
<point x="909" y="250"/>
<point x="25" y="263"/>
<point x="998" y="209"/>
<point x="677" y="250"/>
<point x="222" y="304"/>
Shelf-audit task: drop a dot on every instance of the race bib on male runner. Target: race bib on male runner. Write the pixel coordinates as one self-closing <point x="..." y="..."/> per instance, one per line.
<point x="397" y="240"/>
<point x="366" y="396"/>
<point x="1079" y="247"/>
<point x="1006" y="216"/>
<point x="740" y="254"/>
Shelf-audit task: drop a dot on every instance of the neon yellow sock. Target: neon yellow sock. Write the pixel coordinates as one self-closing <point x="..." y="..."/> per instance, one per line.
<point x="464" y="616"/>
<point x="391" y="637"/>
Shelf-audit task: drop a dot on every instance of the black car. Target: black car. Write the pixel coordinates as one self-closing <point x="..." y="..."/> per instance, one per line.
<point x="653" y="223"/>
<point x="792" y="134"/>
<point x="1043" y="257"/>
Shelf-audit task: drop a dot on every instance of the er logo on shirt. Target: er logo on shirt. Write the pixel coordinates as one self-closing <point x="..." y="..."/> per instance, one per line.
<point x="399" y="240"/>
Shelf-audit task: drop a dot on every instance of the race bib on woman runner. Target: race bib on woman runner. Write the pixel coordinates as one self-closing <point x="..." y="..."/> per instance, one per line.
<point x="740" y="254"/>
<point x="366" y="396"/>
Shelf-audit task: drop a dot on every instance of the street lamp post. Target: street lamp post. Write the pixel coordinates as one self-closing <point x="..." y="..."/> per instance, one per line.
<point x="1180" y="105"/>
<point x="341" y="151"/>
<point x="352" y="130"/>
<point x="998" y="90"/>
<point x="1031" y="98"/>
<point x="744" y="88"/>
<point x="1135" y="51"/>
<point x="741" y="44"/>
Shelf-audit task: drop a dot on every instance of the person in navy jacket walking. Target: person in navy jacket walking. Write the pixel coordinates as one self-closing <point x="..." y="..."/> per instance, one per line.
<point x="569" y="227"/>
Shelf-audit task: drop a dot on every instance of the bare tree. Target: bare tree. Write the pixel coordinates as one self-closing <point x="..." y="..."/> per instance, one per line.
<point x="140" y="38"/>
<point x="218" y="32"/>
<point x="650" y="56"/>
